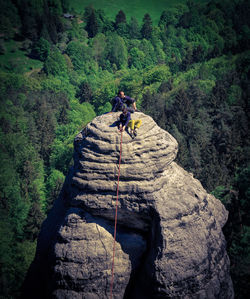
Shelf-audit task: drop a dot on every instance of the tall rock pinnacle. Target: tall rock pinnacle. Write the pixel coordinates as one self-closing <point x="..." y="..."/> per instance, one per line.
<point x="169" y="240"/>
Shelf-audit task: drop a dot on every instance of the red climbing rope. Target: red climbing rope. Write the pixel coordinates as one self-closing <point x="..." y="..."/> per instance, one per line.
<point x="117" y="196"/>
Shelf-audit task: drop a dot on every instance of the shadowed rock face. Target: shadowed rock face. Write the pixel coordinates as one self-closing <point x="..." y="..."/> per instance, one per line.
<point x="169" y="237"/>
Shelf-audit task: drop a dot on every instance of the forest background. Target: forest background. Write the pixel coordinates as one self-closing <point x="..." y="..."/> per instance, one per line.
<point x="61" y="63"/>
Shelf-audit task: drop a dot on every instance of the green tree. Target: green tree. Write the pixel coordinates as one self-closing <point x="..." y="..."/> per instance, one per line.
<point x="242" y="184"/>
<point x="55" y="64"/>
<point x="54" y="185"/>
<point x="103" y="95"/>
<point x="134" y="29"/>
<point x="75" y="32"/>
<point x="116" y="51"/>
<point x="149" y="53"/>
<point x="85" y="92"/>
<point x="79" y="54"/>
<point x="123" y="29"/>
<point x="136" y="58"/>
<point x="168" y="17"/>
<point x="92" y="24"/>
<point x="120" y="18"/>
<point x="41" y="49"/>
<point x="156" y="74"/>
<point x="237" y="228"/>
<point x="146" y="30"/>
<point x="98" y="48"/>
<point x="230" y="38"/>
<point x="106" y="24"/>
<point x="62" y="147"/>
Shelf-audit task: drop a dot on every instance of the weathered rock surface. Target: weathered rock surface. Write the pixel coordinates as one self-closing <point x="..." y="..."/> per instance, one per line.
<point x="169" y="237"/>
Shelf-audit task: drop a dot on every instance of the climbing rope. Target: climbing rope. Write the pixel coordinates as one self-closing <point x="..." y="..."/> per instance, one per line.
<point x="117" y="196"/>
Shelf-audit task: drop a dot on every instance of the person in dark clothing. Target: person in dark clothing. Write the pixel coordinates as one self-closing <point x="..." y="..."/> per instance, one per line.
<point x="127" y="100"/>
<point x="124" y="119"/>
<point x="120" y="100"/>
<point x="126" y="122"/>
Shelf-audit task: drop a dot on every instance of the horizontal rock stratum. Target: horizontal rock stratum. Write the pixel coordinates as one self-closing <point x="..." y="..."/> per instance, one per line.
<point x="169" y="237"/>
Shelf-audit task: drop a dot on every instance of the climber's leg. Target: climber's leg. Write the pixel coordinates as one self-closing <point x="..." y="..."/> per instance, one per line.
<point x="131" y="124"/>
<point x="138" y="123"/>
<point x="137" y="126"/>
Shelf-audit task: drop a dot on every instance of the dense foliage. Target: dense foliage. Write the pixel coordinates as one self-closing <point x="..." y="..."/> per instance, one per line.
<point x="190" y="72"/>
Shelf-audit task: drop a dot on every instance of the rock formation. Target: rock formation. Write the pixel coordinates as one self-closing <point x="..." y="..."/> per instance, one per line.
<point x="169" y="236"/>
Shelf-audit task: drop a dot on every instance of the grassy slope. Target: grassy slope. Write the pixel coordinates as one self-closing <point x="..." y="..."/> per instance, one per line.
<point x="16" y="60"/>
<point x="135" y="8"/>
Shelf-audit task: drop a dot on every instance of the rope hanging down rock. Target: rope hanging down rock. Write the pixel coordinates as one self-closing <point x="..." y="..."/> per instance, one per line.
<point x="117" y="196"/>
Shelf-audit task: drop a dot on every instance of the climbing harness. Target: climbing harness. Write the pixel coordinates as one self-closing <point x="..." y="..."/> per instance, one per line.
<point x="117" y="196"/>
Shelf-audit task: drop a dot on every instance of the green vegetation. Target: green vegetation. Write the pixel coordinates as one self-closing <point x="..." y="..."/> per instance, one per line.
<point x="132" y="8"/>
<point x="16" y="60"/>
<point x="187" y="66"/>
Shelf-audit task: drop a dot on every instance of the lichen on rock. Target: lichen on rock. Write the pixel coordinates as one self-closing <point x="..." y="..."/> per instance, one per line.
<point x="169" y="237"/>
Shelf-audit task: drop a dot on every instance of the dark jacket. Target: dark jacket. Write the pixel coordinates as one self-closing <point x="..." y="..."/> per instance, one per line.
<point x="124" y="119"/>
<point x="128" y="100"/>
<point x="117" y="104"/>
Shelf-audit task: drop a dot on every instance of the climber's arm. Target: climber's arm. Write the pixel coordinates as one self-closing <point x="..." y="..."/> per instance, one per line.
<point x="130" y="101"/>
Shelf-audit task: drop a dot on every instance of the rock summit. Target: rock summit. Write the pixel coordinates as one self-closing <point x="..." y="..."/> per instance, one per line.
<point x="169" y="241"/>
